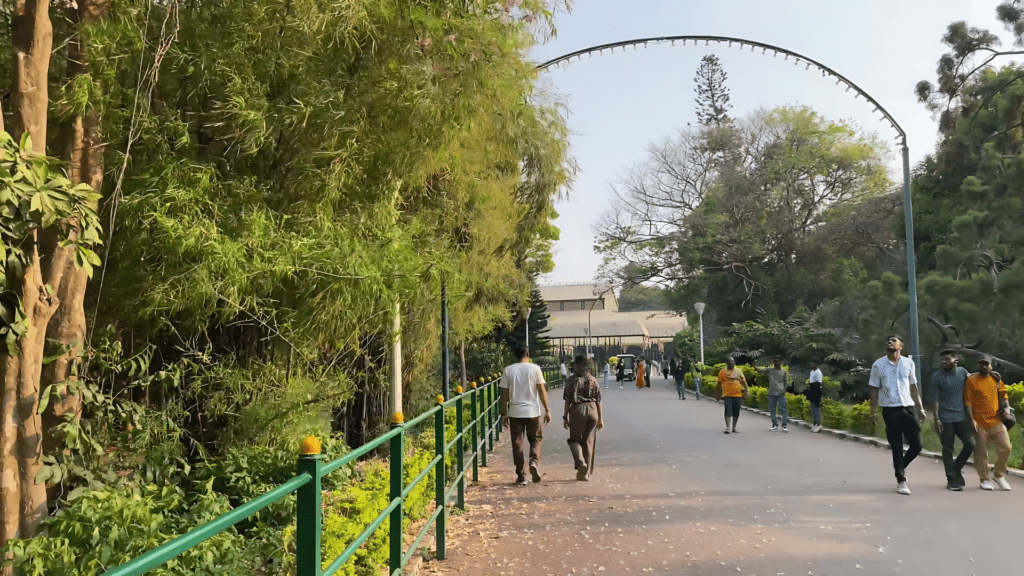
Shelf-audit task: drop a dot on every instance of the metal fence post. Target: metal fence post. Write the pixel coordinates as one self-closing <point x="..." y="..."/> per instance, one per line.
<point x="474" y="393"/>
<point x="308" y="517"/>
<point x="439" y="480"/>
<point x="490" y="414"/>
<point x="460" y="454"/>
<point x="485" y="431"/>
<point x="397" y="484"/>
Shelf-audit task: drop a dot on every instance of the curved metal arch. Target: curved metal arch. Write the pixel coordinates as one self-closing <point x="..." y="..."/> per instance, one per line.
<point x="825" y="70"/>
<point x="797" y="58"/>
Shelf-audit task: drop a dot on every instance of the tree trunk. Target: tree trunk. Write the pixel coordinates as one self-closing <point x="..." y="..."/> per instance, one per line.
<point x="32" y="36"/>
<point x="83" y="151"/>
<point x="22" y="501"/>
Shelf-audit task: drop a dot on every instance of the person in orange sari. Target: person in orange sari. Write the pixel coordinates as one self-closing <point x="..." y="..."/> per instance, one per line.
<point x="640" y="375"/>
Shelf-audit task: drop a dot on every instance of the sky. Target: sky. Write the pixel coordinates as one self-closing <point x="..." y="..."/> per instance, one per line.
<point x="617" y="104"/>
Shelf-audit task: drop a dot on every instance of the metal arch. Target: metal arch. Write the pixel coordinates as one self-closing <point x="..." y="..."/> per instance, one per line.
<point x="730" y="40"/>
<point x="907" y="198"/>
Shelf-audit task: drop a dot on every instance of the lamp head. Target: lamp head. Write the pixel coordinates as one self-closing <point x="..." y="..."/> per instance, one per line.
<point x="699" y="307"/>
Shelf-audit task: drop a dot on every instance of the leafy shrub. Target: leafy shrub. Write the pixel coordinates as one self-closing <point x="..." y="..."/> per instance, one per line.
<point x="799" y="407"/>
<point x="861" y="421"/>
<point x="757" y="397"/>
<point x="834" y="414"/>
<point x="708" y="385"/>
<point x="105" y="528"/>
<point x="830" y="388"/>
<point x="545" y="360"/>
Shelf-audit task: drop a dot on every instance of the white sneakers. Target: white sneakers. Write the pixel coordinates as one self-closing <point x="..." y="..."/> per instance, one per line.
<point x="816" y="428"/>
<point x="1002" y="483"/>
<point x="773" y="429"/>
<point x="903" y="488"/>
<point x="986" y="485"/>
<point x="784" y="429"/>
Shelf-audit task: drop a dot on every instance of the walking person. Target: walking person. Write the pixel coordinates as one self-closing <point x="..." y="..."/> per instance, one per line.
<point x="778" y="381"/>
<point x="563" y="372"/>
<point x="985" y="400"/>
<point x="945" y="397"/>
<point x="732" y="386"/>
<point x="620" y="372"/>
<point x="607" y="372"/>
<point x="640" y="366"/>
<point x="582" y="417"/>
<point x="524" y="402"/>
<point x="893" y="386"/>
<point x="813" y="394"/>
<point x="647" y="367"/>
<point x="679" y="374"/>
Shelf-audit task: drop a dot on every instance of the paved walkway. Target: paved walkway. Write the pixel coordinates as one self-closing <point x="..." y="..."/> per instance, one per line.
<point x="672" y="494"/>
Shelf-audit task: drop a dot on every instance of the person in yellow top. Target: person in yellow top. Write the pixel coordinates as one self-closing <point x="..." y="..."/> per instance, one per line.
<point x="732" y="386"/>
<point x="984" y="399"/>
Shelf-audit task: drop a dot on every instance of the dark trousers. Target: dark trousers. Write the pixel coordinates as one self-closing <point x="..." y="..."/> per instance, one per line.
<point x="950" y="432"/>
<point x="679" y="388"/>
<point x="523" y="430"/>
<point x="901" y="424"/>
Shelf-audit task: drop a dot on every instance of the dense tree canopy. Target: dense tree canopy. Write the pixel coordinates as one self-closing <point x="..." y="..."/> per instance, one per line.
<point x="778" y="208"/>
<point x="276" y="176"/>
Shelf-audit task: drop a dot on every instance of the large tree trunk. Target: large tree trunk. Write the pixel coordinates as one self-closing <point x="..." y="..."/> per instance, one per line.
<point x="32" y="36"/>
<point x="83" y="151"/>
<point x="22" y="501"/>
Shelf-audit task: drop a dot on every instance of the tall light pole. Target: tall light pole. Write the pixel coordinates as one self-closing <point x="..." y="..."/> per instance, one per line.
<point x="699" y="307"/>
<point x="528" y="310"/>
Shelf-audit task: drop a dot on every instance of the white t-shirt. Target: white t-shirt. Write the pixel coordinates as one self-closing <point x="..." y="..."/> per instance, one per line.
<point x="522" y="379"/>
<point x="562" y="370"/>
<point x="816" y="375"/>
<point x="893" y="380"/>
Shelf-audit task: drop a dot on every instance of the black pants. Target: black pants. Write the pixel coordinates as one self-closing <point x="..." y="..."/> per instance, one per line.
<point x="901" y="424"/>
<point x="950" y="432"/>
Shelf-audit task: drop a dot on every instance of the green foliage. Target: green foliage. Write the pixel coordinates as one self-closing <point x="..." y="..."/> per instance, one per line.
<point x="757" y="397"/>
<point x="37" y="198"/>
<point x="860" y="420"/>
<point x="687" y="344"/>
<point x="766" y="214"/>
<point x="834" y="414"/>
<point x="105" y="528"/>
<point x="798" y="406"/>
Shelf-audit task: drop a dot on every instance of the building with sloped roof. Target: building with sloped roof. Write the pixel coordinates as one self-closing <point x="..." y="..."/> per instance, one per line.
<point x="577" y="310"/>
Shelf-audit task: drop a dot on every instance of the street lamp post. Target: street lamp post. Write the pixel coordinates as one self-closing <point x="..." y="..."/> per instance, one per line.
<point x="699" y="307"/>
<point x="528" y="310"/>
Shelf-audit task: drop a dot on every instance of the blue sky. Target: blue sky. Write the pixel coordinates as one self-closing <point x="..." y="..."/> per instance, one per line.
<point x="619" y="103"/>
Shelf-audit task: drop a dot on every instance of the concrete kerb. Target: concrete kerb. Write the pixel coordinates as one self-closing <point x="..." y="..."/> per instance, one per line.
<point x="846" y="435"/>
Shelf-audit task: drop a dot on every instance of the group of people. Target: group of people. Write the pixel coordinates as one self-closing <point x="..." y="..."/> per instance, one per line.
<point x="972" y="407"/>
<point x="524" y="408"/>
<point x="732" y="388"/>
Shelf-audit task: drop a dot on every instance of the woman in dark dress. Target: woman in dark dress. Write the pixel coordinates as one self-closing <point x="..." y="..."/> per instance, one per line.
<point x="582" y="416"/>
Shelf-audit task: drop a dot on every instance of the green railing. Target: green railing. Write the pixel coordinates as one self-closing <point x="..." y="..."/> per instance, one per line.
<point x="474" y="437"/>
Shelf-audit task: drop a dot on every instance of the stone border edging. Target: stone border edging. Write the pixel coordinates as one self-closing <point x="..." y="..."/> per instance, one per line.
<point x="847" y="435"/>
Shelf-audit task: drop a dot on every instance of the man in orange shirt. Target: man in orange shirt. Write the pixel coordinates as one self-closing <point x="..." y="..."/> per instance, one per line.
<point x="984" y="399"/>
<point x="731" y="387"/>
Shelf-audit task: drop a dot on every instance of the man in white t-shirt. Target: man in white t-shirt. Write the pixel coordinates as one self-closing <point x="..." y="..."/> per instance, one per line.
<point x="524" y="399"/>
<point x="893" y="386"/>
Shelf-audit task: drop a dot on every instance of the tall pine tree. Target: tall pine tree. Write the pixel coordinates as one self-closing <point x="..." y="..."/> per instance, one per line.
<point x="712" y="95"/>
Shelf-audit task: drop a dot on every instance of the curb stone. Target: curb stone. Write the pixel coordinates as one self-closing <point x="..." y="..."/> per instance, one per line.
<point x="845" y="435"/>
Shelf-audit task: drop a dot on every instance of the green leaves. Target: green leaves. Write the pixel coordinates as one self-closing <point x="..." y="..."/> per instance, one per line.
<point x="36" y="197"/>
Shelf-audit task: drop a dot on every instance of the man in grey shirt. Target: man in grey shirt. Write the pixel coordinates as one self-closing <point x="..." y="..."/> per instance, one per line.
<point x="778" y="381"/>
<point x="945" y="398"/>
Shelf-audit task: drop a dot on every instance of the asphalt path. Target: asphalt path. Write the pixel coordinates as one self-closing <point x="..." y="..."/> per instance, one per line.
<point x="672" y="494"/>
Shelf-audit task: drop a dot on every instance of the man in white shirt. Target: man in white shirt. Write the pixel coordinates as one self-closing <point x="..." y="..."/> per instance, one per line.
<point x="524" y="399"/>
<point x="893" y="386"/>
